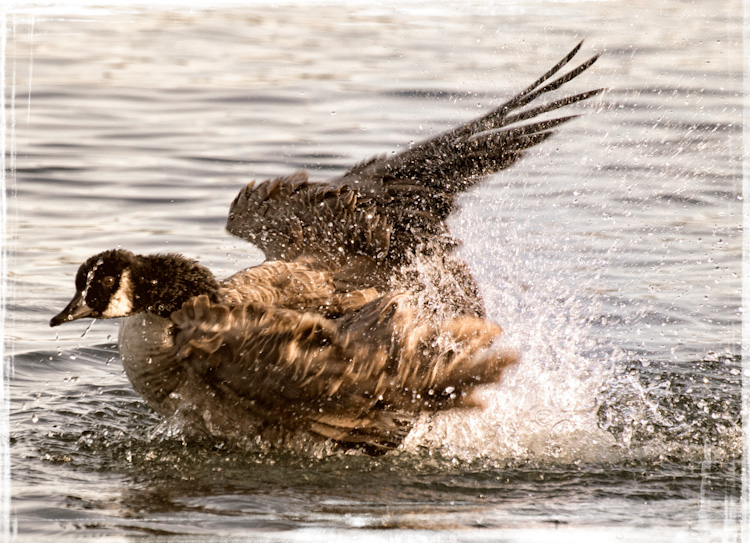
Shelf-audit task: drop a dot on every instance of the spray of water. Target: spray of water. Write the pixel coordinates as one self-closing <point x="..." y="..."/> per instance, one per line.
<point x="575" y="396"/>
<point x="546" y="407"/>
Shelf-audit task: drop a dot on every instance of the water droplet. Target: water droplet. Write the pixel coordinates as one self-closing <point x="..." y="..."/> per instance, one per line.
<point x="86" y="331"/>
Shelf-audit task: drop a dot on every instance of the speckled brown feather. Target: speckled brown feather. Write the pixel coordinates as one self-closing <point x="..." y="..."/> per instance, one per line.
<point x="370" y="222"/>
<point x="303" y="285"/>
<point x="356" y="379"/>
<point x="289" y="217"/>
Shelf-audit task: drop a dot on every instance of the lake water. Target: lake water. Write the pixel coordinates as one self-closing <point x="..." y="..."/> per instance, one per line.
<point x="611" y="255"/>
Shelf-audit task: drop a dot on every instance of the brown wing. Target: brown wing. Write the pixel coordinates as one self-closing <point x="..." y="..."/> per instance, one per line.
<point x="358" y="379"/>
<point x="416" y="189"/>
<point x="427" y="176"/>
<point x="290" y="217"/>
<point x="371" y="219"/>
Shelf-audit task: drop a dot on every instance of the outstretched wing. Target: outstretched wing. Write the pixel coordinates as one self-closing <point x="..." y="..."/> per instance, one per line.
<point x="391" y="205"/>
<point x="417" y="187"/>
<point x="453" y="161"/>
<point x="290" y="217"/>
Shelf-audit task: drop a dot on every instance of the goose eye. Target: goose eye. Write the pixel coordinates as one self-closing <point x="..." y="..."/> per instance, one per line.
<point x="108" y="281"/>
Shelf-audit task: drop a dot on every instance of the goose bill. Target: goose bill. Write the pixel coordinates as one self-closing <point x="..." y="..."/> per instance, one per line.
<point x="76" y="309"/>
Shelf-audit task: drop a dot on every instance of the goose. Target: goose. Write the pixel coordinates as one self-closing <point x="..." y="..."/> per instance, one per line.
<point x="324" y="340"/>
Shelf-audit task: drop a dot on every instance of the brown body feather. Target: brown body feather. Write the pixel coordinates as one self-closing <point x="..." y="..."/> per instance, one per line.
<point x="360" y="378"/>
<point x="303" y="285"/>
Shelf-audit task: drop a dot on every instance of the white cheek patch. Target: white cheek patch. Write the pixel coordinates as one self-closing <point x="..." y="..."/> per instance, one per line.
<point x="121" y="303"/>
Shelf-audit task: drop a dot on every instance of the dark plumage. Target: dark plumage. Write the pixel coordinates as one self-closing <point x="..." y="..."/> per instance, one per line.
<point x="159" y="284"/>
<point x="323" y="338"/>
<point x="391" y="208"/>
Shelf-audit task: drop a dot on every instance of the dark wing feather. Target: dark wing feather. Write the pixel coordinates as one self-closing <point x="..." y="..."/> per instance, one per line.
<point x="452" y="162"/>
<point x="290" y="217"/>
<point x="392" y="205"/>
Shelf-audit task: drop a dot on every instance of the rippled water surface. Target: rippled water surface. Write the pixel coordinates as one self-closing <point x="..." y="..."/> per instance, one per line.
<point x="611" y="255"/>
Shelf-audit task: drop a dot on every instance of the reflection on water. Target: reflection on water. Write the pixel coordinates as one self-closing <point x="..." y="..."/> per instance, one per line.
<point x="610" y="256"/>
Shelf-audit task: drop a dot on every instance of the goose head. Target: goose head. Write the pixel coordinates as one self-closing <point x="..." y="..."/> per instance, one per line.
<point x="118" y="283"/>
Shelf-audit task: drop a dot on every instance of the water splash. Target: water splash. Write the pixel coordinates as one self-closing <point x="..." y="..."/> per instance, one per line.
<point x="88" y="328"/>
<point x="546" y="407"/>
<point x="576" y="396"/>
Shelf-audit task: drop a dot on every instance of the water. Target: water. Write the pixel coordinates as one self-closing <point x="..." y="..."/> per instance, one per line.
<point x="611" y="255"/>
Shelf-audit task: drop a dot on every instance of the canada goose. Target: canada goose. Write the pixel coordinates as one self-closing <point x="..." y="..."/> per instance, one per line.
<point x="323" y="338"/>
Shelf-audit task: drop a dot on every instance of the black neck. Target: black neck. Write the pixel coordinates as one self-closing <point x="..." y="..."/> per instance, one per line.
<point x="162" y="283"/>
